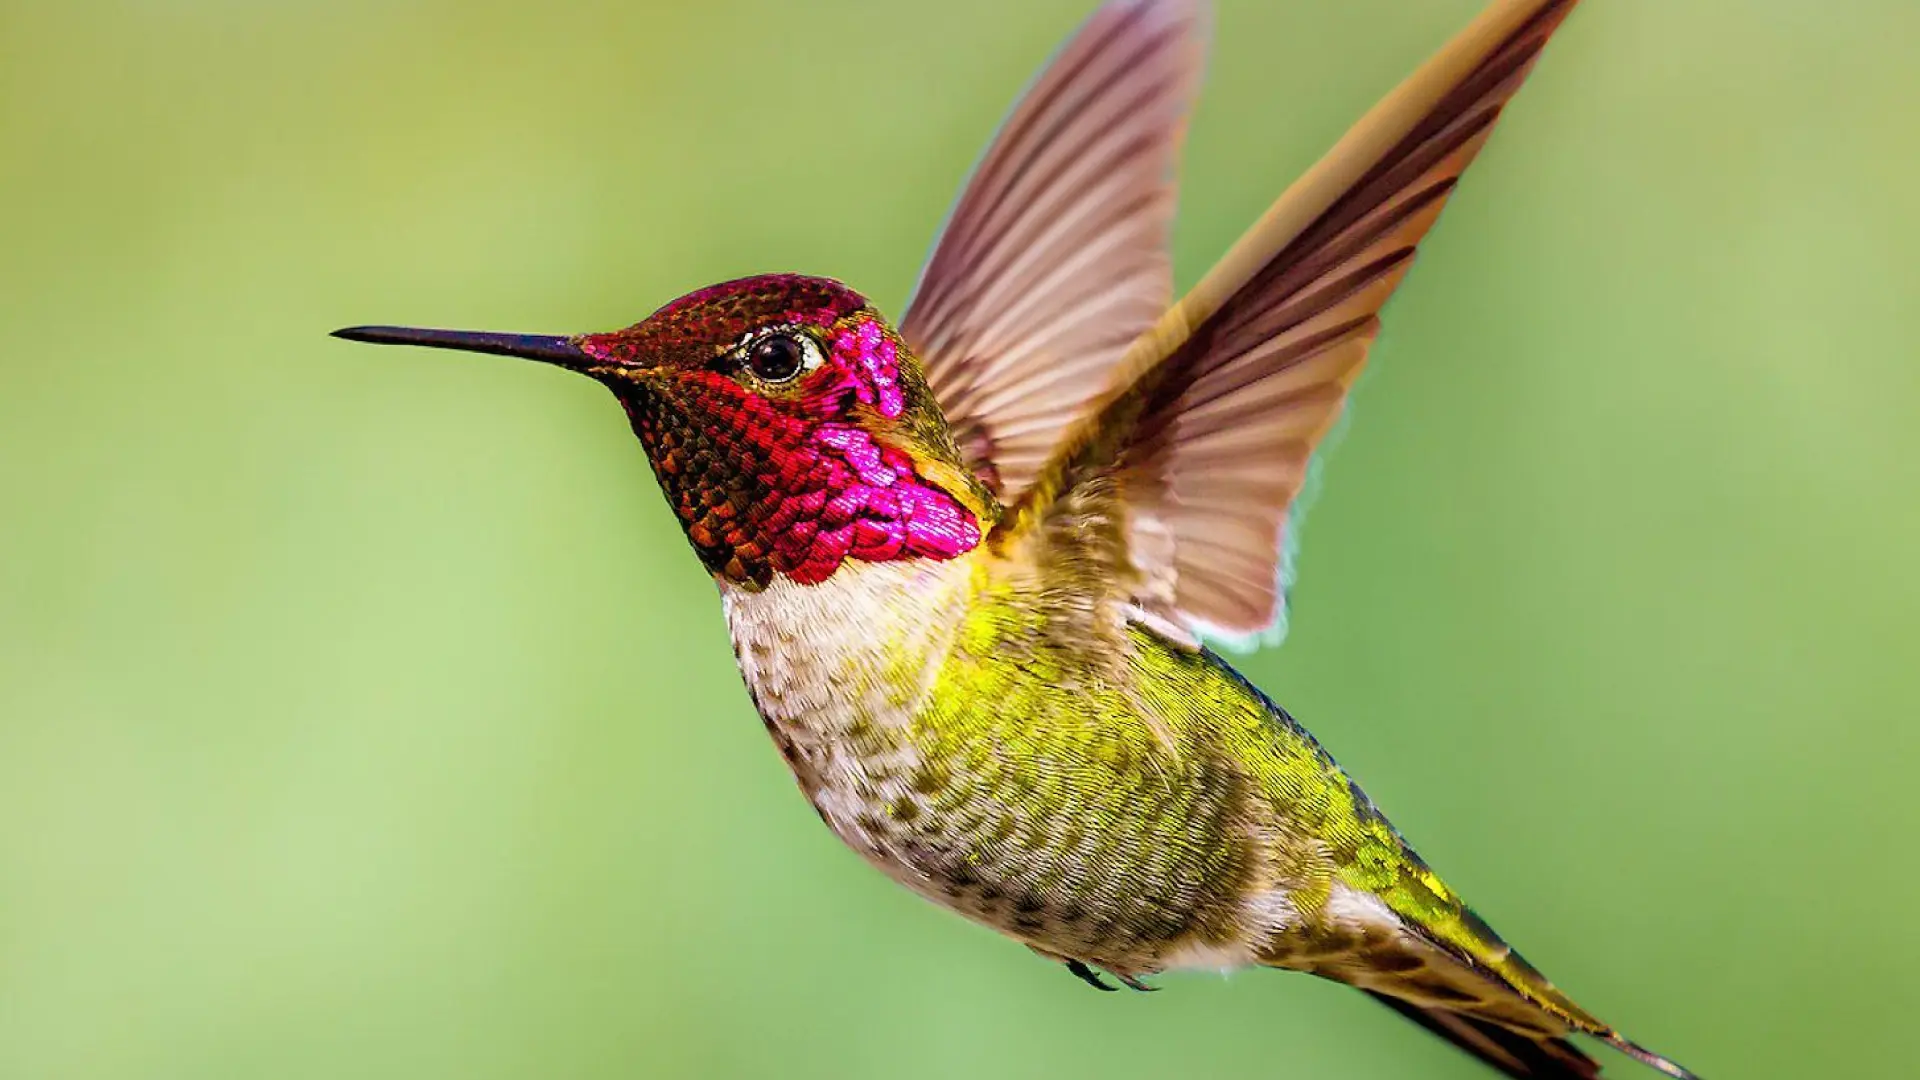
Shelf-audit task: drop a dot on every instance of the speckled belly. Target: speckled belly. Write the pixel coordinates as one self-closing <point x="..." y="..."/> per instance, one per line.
<point x="1035" y="801"/>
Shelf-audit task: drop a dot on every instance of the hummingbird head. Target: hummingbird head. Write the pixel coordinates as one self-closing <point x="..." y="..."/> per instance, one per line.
<point x="789" y="425"/>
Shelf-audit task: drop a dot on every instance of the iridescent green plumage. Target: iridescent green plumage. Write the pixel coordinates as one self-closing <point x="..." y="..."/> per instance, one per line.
<point x="1218" y="792"/>
<point x="1107" y="796"/>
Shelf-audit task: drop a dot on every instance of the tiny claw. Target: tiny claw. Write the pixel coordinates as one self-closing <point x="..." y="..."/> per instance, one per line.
<point x="1135" y="984"/>
<point x="1087" y="975"/>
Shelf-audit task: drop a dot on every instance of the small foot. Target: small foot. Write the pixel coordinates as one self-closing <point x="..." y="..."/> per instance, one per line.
<point x="1135" y="984"/>
<point x="1087" y="975"/>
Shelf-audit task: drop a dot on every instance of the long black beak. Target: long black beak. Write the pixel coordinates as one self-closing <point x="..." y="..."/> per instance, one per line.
<point x="545" y="348"/>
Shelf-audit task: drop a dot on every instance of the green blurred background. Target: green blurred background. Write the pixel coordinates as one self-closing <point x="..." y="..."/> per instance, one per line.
<point x="361" y="714"/>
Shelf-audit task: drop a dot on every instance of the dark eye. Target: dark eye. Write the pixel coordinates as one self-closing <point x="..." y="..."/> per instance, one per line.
<point x="780" y="357"/>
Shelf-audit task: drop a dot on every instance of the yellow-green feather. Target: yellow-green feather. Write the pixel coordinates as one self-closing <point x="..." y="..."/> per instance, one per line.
<point x="1114" y="757"/>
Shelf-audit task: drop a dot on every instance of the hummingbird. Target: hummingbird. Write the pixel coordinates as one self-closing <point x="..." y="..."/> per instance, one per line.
<point x="974" y="564"/>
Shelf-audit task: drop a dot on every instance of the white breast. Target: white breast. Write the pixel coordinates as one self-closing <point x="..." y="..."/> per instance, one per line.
<point x="838" y="671"/>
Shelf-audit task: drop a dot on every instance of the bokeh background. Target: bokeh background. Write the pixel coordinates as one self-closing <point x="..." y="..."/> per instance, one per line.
<point x="362" y="716"/>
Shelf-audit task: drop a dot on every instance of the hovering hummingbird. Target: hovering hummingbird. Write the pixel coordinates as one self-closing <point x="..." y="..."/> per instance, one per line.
<point x="970" y="563"/>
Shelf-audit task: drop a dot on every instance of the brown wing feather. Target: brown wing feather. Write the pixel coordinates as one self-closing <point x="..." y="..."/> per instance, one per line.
<point x="1207" y="432"/>
<point x="1055" y="257"/>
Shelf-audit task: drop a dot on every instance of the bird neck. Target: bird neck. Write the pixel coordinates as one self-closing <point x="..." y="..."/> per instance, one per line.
<point x="852" y="654"/>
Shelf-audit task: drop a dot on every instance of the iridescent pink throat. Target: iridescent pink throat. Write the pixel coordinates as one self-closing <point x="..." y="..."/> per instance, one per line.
<point x="791" y="484"/>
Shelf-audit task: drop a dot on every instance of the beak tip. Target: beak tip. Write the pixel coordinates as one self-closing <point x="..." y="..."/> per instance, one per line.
<point x="547" y="348"/>
<point x="377" y="335"/>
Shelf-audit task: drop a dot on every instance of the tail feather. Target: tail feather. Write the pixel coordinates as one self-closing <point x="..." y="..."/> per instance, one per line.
<point x="1646" y="1057"/>
<point x="1523" y="1057"/>
<point x="1520" y="1056"/>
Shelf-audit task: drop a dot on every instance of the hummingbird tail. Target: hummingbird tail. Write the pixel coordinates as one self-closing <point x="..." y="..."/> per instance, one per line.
<point x="1523" y="1057"/>
<point x="1646" y="1057"/>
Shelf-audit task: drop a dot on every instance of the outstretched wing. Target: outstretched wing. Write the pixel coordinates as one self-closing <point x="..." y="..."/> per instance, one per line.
<point x="1195" y="454"/>
<point x="1055" y="258"/>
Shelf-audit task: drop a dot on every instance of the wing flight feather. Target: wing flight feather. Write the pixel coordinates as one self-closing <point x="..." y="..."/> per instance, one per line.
<point x="1203" y="438"/>
<point x="1055" y="256"/>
